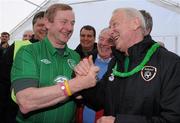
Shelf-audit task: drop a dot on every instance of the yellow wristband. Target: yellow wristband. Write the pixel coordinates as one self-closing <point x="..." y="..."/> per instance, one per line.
<point x="67" y="88"/>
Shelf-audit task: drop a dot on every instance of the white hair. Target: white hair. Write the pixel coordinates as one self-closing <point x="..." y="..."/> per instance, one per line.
<point x="133" y="13"/>
<point x="28" y="31"/>
<point x="104" y="30"/>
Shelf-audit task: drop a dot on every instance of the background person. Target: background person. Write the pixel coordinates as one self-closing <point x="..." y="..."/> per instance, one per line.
<point x="149" y="24"/>
<point x="101" y="58"/>
<point x="5" y="36"/>
<point x="8" y="107"/>
<point x="86" y="47"/>
<point x="87" y="41"/>
<point x="27" y="35"/>
<point x="148" y="21"/>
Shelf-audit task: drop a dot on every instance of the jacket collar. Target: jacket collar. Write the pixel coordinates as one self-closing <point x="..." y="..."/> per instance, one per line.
<point x="136" y="51"/>
<point x="33" y="40"/>
<point x="81" y="53"/>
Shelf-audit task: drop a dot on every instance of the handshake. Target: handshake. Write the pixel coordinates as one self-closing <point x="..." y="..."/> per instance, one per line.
<point x="86" y="73"/>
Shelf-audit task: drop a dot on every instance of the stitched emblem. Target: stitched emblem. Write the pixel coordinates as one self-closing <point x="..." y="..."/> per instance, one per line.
<point x="148" y="72"/>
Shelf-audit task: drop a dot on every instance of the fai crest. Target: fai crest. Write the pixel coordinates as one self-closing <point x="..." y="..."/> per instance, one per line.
<point x="71" y="63"/>
<point x="148" y="73"/>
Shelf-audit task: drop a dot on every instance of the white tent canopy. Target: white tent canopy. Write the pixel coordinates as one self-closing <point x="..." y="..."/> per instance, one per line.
<point x="166" y="18"/>
<point x="12" y="12"/>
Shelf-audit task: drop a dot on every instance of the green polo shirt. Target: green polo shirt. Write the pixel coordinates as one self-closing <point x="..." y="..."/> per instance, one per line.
<point x="37" y="65"/>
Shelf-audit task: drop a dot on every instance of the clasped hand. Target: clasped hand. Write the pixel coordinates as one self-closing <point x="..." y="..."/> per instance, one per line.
<point x="87" y="70"/>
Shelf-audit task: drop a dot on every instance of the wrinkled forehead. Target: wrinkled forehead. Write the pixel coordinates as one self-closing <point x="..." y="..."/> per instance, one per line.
<point x="86" y="32"/>
<point x="65" y="14"/>
<point x="105" y="34"/>
<point x="117" y="16"/>
<point x="104" y="38"/>
<point x="28" y="34"/>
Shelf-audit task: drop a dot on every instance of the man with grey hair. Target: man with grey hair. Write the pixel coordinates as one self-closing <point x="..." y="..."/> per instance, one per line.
<point x="101" y="58"/>
<point x="142" y="83"/>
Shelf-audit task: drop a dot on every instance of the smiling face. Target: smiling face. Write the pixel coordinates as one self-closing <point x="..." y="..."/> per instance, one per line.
<point x="61" y="28"/>
<point x="87" y="39"/>
<point x="27" y="35"/>
<point x="39" y="29"/>
<point x="127" y="28"/>
<point x="5" y="37"/>
<point x="120" y="30"/>
<point x="104" y="45"/>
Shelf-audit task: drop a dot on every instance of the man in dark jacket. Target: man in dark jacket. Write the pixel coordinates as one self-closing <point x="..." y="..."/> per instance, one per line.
<point x="5" y="36"/>
<point x="87" y="41"/>
<point x="142" y="83"/>
<point x="8" y="107"/>
<point x="86" y="47"/>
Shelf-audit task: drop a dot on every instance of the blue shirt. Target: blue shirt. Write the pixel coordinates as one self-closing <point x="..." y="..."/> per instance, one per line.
<point x="88" y="113"/>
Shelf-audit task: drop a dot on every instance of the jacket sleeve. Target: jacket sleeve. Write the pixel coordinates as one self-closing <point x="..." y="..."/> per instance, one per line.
<point x="120" y="118"/>
<point x="94" y="97"/>
<point x="169" y="100"/>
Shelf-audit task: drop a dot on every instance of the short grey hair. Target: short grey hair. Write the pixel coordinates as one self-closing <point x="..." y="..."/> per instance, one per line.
<point x="110" y="38"/>
<point x="132" y="13"/>
<point x="104" y="30"/>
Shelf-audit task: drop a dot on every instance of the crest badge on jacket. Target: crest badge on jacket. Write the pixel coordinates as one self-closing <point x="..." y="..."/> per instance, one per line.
<point x="148" y="72"/>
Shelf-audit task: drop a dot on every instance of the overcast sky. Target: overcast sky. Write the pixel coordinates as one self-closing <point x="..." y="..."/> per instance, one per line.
<point x="13" y="12"/>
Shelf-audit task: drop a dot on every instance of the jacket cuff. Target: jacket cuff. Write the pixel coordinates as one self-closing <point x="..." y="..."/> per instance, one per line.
<point x="130" y="119"/>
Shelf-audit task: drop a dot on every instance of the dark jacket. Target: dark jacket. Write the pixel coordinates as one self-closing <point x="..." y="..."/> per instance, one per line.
<point x="2" y="52"/>
<point x="8" y="109"/>
<point x="151" y="95"/>
<point x="82" y="54"/>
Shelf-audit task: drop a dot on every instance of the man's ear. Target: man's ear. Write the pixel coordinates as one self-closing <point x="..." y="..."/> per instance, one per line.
<point x="135" y="23"/>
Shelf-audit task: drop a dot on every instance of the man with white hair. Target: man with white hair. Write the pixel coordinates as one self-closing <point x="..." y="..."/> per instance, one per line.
<point x="27" y="35"/>
<point x="142" y="83"/>
<point x="101" y="58"/>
